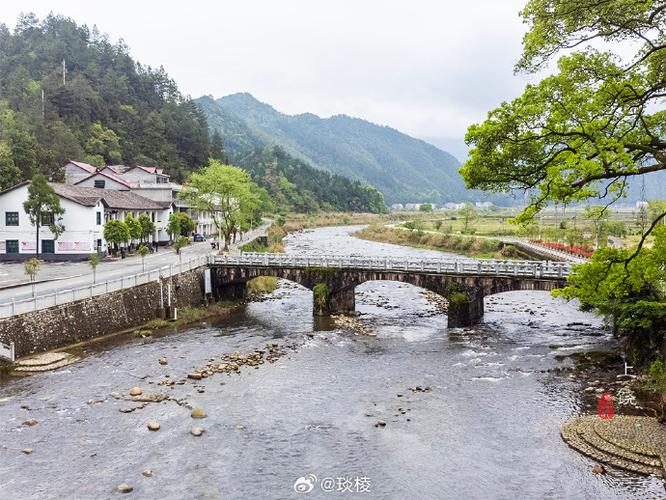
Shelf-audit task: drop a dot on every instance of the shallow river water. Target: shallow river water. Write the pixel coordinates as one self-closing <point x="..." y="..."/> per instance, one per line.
<point x="487" y="425"/>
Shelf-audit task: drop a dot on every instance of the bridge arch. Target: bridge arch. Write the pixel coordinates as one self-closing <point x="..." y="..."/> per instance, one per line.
<point x="334" y="287"/>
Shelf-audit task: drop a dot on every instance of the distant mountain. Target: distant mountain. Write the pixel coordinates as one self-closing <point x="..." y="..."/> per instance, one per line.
<point x="293" y="183"/>
<point x="403" y="168"/>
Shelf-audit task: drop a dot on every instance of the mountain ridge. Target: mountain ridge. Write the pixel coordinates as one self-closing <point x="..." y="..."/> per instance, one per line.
<point x="402" y="167"/>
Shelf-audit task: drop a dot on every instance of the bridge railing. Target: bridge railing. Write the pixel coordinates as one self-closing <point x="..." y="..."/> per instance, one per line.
<point x="518" y="268"/>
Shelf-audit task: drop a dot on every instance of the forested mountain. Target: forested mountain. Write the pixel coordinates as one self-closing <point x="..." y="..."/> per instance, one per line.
<point x="98" y="105"/>
<point x="403" y="168"/>
<point x="292" y="182"/>
<point x="67" y="92"/>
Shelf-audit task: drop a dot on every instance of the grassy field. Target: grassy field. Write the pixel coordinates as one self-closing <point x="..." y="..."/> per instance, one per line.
<point x="481" y="248"/>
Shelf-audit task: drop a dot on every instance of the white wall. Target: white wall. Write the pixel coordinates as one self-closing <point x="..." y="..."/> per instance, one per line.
<point x="81" y="230"/>
<point x="74" y="174"/>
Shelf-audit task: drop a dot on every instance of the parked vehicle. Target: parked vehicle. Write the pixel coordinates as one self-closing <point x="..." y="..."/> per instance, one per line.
<point x="199" y="237"/>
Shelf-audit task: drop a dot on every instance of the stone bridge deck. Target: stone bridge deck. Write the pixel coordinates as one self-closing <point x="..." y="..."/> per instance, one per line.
<point x="333" y="279"/>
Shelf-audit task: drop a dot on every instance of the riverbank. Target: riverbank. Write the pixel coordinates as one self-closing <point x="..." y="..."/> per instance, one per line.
<point x="480" y="248"/>
<point x="341" y="405"/>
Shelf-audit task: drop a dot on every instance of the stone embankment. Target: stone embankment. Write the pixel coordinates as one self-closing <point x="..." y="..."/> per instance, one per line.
<point x="100" y="315"/>
<point x="633" y="443"/>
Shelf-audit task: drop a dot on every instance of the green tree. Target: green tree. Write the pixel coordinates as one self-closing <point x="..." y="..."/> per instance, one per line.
<point x="147" y="226"/>
<point x="93" y="262"/>
<point x="134" y="226"/>
<point x="23" y="147"/>
<point x="103" y="142"/>
<point x="116" y="232"/>
<point x="42" y="201"/>
<point x="425" y="207"/>
<point x="227" y="193"/>
<point x="180" y="223"/>
<point x="583" y="133"/>
<point x="180" y="243"/>
<point x="628" y="287"/>
<point x="10" y="175"/>
<point x="31" y="268"/>
<point x="469" y="216"/>
<point x="143" y="250"/>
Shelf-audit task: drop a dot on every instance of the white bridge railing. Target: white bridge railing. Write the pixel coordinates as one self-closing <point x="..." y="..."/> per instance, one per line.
<point x="516" y="268"/>
<point x="44" y="301"/>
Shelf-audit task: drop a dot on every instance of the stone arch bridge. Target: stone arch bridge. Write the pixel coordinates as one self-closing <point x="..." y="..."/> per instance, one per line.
<point x="333" y="279"/>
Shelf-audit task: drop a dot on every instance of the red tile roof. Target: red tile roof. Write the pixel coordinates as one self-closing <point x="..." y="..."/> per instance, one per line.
<point x="85" y="166"/>
<point x="108" y="175"/>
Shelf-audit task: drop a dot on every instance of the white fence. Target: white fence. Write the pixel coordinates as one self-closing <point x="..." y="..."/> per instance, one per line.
<point x="64" y="296"/>
<point x="514" y="268"/>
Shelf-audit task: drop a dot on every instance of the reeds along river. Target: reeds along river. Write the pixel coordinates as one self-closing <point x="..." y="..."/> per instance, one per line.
<point x="468" y="413"/>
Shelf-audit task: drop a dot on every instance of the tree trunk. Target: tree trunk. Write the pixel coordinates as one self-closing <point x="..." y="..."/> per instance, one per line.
<point x="37" y="242"/>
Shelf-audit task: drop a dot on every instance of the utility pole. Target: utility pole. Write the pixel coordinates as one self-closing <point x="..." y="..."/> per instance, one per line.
<point x="42" y="104"/>
<point x="64" y="72"/>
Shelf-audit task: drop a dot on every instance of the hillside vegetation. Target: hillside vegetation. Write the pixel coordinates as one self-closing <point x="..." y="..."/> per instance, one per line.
<point x="107" y="109"/>
<point x="67" y="92"/>
<point x="401" y="167"/>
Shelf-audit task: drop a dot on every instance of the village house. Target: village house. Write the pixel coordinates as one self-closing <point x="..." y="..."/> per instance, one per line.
<point x="87" y="209"/>
<point x="150" y="182"/>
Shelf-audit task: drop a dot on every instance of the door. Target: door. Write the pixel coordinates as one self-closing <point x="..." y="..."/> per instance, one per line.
<point x="48" y="246"/>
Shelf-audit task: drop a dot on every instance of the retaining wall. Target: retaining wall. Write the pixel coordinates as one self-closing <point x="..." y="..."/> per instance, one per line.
<point x="99" y="315"/>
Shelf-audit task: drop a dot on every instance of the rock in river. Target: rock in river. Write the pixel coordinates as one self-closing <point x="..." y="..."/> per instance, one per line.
<point x="154" y="426"/>
<point x="30" y="422"/>
<point x="598" y="469"/>
<point x="124" y="488"/>
<point x="136" y="391"/>
<point x="197" y="431"/>
<point x="198" y="413"/>
<point x="148" y="472"/>
<point x="163" y="361"/>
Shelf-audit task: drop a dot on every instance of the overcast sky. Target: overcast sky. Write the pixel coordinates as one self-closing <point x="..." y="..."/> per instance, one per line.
<point x="428" y="68"/>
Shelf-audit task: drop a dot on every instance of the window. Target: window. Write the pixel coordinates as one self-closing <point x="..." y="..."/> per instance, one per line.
<point x="12" y="246"/>
<point x="47" y="219"/>
<point x="100" y="183"/>
<point x="98" y="218"/>
<point x="48" y="246"/>
<point x="11" y="218"/>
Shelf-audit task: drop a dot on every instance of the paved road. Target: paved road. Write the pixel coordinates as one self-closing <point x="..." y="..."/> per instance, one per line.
<point x="77" y="274"/>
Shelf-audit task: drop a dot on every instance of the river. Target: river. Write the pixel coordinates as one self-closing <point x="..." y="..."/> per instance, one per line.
<point x="485" y="425"/>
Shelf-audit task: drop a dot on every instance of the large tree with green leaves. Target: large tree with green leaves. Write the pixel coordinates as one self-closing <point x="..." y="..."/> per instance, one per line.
<point x="599" y="120"/>
<point x="227" y="193"/>
<point x="147" y="226"/>
<point x="180" y="224"/>
<point x="116" y="232"/>
<point x="581" y="133"/>
<point x="42" y="205"/>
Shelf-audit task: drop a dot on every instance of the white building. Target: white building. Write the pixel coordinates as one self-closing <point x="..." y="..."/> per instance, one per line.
<point x="150" y="182"/>
<point x="86" y="211"/>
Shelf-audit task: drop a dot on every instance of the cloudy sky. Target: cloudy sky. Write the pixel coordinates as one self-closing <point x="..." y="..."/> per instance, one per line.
<point x="428" y="68"/>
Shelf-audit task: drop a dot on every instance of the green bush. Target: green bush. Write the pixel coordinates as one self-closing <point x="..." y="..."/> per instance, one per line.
<point x="657" y="374"/>
<point x="458" y="298"/>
